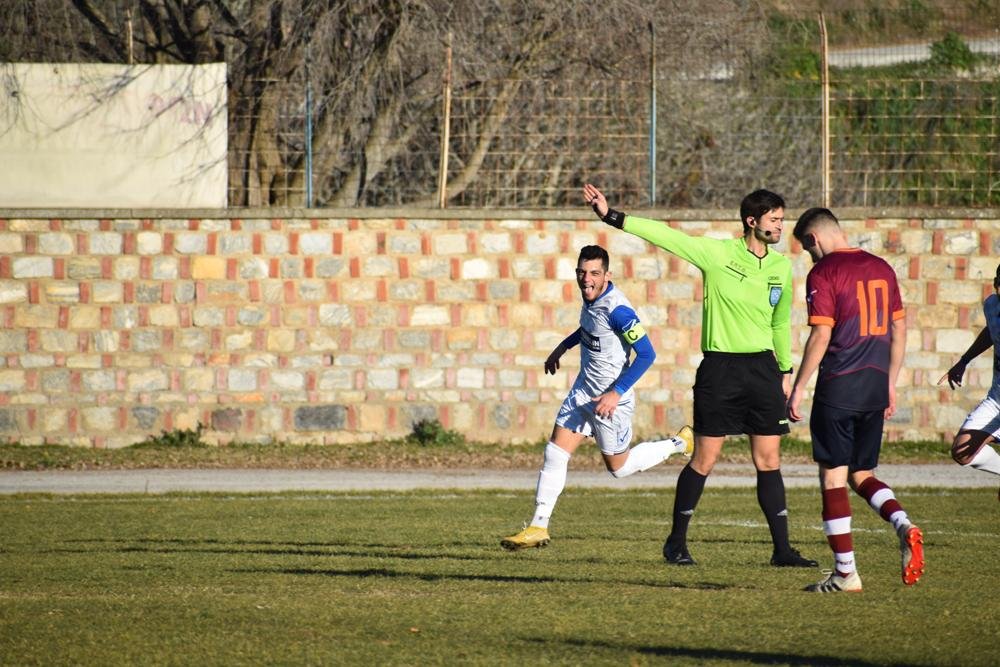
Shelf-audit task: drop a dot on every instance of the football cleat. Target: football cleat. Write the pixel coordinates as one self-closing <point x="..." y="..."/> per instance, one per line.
<point x="531" y="537"/>
<point x="911" y="546"/>
<point x="791" y="558"/>
<point x="835" y="583"/>
<point x="677" y="554"/>
<point x="686" y="435"/>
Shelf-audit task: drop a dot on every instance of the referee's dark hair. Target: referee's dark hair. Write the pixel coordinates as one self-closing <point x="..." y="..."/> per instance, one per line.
<point x="756" y="204"/>
<point x="589" y="252"/>
<point x="810" y="219"/>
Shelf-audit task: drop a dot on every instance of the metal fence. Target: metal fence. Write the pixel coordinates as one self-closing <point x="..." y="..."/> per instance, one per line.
<point x="911" y="121"/>
<point x="555" y="135"/>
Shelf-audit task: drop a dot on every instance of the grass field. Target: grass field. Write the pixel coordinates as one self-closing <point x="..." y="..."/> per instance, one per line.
<point x="418" y="578"/>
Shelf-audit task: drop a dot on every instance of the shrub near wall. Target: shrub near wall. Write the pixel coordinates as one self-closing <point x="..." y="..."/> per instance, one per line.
<point x="341" y="329"/>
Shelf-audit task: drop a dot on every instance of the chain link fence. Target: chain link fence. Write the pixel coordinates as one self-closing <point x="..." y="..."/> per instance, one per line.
<point x="555" y="135"/>
<point x="914" y="120"/>
<point x="913" y="116"/>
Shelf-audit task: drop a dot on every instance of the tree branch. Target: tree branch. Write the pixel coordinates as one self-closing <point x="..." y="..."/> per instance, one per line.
<point x="98" y="20"/>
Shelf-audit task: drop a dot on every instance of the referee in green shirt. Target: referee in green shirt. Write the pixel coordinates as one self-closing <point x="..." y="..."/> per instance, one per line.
<point x="745" y="377"/>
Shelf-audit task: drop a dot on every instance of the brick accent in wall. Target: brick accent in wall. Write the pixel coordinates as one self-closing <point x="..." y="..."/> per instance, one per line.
<point x="339" y="329"/>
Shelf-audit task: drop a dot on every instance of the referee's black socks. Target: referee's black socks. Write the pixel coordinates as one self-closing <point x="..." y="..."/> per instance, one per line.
<point x="771" y="497"/>
<point x="690" y="484"/>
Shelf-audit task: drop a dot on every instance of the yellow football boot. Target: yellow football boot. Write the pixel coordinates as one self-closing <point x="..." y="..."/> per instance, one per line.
<point x="687" y="436"/>
<point x="532" y="536"/>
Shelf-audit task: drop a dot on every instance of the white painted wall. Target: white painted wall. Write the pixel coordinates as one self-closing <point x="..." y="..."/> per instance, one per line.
<point x="96" y="135"/>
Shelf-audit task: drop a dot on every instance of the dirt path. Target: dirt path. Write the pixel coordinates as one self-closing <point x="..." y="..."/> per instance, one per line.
<point x="240" y="481"/>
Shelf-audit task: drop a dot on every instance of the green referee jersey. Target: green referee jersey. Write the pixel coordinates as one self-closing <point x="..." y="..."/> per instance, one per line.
<point x="748" y="300"/>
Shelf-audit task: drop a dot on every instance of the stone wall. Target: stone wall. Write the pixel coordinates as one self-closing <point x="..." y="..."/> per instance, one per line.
<point x="352" y="325"/>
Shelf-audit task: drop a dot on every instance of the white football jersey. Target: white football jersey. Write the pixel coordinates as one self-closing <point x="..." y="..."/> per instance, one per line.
<point x="604" y="353"/>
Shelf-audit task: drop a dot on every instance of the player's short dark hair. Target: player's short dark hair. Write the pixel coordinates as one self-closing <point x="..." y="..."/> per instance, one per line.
<point x="757" y="203"/>
<point x="996" y="278"/>
<point x="810" y="219"/>
<point x="589" y="252"/>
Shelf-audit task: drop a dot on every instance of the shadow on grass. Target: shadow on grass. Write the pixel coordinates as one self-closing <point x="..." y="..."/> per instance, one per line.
<point x="484" y="551"/>
<point x="241" y="548"/>
<point x="496" y="578"/>
<point x="715" y="655"/>
<point x="238" y="547"/>
<point x="327" y="544"/>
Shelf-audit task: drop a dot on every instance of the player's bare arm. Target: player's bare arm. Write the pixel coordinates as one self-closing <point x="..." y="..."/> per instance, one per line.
<point x="816" y="345"/>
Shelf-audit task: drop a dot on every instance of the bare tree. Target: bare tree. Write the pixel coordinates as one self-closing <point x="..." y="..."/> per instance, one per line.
<point x="375" y="68"/>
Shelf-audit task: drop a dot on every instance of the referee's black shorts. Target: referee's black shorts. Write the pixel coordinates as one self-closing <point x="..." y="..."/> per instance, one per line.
<point x="738" y="393"/>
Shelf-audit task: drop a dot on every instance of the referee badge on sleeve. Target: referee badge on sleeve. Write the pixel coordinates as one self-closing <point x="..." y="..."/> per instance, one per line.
<point x="775" y="295"/>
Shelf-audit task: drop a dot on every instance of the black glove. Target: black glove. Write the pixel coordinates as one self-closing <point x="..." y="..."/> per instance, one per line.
<point x="955" y="374"/>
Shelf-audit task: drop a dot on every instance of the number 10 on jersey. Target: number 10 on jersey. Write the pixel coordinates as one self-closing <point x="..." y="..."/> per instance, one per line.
<point x="873" y="307"/>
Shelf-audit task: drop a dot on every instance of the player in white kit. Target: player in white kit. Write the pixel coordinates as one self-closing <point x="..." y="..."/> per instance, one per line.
<point x="973" y="442"/>
<point x="602" y="400"/>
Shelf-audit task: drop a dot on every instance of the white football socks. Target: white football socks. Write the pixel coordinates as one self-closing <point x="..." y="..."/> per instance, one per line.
<point x="551" y="481"/>
<point x="645" y="455"/>
<point x="986" y="459"/>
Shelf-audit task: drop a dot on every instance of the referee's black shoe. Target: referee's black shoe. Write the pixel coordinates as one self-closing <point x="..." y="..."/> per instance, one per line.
<point x="677" y="554"/>
<point x="791" y="558"/>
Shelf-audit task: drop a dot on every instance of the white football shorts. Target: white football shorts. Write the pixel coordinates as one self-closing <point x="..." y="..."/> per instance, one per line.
<point x="984" y="417"/>
<point x="613" y="435"/>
